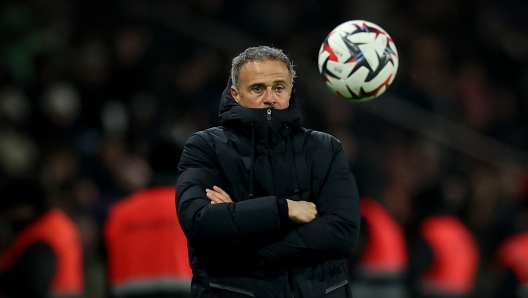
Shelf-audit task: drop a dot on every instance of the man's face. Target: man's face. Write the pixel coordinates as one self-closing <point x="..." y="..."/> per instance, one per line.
<point x="263" y="84"/>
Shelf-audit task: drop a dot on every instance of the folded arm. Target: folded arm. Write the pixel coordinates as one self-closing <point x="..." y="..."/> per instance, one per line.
<point x="203" y="221"/>
<point x="333" y="233"/>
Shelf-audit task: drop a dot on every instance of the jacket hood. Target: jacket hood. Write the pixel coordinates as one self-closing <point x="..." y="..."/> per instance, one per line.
<point x="232" y="114"/>
<point x="265" y="127"/>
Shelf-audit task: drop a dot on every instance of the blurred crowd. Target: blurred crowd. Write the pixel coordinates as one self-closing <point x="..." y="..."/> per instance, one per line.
<point x="87" y="86"/>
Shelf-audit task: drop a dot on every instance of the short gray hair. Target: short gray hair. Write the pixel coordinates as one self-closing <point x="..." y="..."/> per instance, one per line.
<point x="260" y="53"/>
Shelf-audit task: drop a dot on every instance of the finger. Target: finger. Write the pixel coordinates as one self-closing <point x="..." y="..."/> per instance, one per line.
<point x="219" y="196"/>
<point x="225" y="195"/>
<point x="212" y="196"/>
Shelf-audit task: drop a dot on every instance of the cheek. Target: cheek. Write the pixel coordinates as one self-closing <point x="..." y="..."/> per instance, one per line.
<point x="285" y="101"/>
<point x="250" y="97"/>
<point x="250" y="100"/>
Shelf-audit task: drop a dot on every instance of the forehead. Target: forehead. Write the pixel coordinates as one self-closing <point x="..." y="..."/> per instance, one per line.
<point x="267" y="70"/>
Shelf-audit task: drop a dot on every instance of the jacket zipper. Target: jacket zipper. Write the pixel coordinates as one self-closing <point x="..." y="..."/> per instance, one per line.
<point x="270" y="154"/>
<point x="270" y="134"/>
<point x="268" y="117"/>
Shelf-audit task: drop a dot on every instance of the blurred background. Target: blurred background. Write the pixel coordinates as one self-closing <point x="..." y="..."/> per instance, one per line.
<point x="86" y="86"/>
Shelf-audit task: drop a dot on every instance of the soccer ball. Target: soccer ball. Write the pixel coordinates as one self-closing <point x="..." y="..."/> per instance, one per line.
<point x="358" y="60"/>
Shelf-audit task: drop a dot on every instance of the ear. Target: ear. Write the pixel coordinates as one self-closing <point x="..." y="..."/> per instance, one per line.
<point x="234" y="93"/>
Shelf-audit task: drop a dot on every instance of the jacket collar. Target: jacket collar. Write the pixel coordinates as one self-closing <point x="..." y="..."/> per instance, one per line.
<point x="282" y="122"/>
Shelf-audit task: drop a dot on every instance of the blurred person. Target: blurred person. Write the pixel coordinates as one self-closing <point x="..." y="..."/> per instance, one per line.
<point x="57" y="114"/>
<point x="121" y="171"/>
<point x="130" y="64"/>
<point x="509" y="263"/>
<point x="146" y="249"/>
<point x="444" y="254"/>
<point x="59" y="166"/>
<point x="15" y="107"/>
<point x="269" y="208"/>
<point x="23" y="40"/>
<point x="197" y="83"/>
<point x="379" y="264"/>
<point x="474" y="96"/>
<point x="44" y="257"/>
<point x="91" y="70"/>
<point x="19" y="155"/>
<point x="400" y="175"/>
<point x="487" y="201"/>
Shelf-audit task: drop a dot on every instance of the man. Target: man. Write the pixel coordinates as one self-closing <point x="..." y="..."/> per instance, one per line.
<point x="444" y="254"/>
<point x="146" y="248"/>
<point x="44" y="258"/>
<point x="510" y="266"/>
<point x="509" y="262"/>
<point x="269" y="208"/>
<point x="380" y="261"/>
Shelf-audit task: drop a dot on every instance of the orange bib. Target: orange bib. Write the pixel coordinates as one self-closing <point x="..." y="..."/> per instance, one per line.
<point x="146" y="247"/>
<point x="58" y="231"/>
<point x="455" y="256"/>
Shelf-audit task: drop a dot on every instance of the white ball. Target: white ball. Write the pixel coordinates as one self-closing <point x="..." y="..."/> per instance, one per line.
<point x="358" y="60"/>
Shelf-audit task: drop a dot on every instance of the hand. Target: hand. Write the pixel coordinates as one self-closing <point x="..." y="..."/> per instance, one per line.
<point x="217" y="195"/>
<point x="301" y="211"/>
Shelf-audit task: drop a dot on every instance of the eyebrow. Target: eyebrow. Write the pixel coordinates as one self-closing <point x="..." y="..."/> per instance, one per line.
<point x="263" y="84"/>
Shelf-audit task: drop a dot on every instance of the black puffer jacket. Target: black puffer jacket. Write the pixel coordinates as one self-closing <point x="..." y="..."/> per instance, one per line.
<point x="248" y="248"/>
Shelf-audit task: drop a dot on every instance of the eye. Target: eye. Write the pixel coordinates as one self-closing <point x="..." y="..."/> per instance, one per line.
<point x="257" y="89"/>
<point x="279" y="88"/>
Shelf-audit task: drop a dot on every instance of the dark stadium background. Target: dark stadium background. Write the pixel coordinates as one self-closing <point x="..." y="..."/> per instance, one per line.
<point x="86" y="86"/>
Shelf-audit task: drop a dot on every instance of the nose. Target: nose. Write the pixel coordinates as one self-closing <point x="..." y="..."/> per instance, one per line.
<point x="269" y="97"/>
